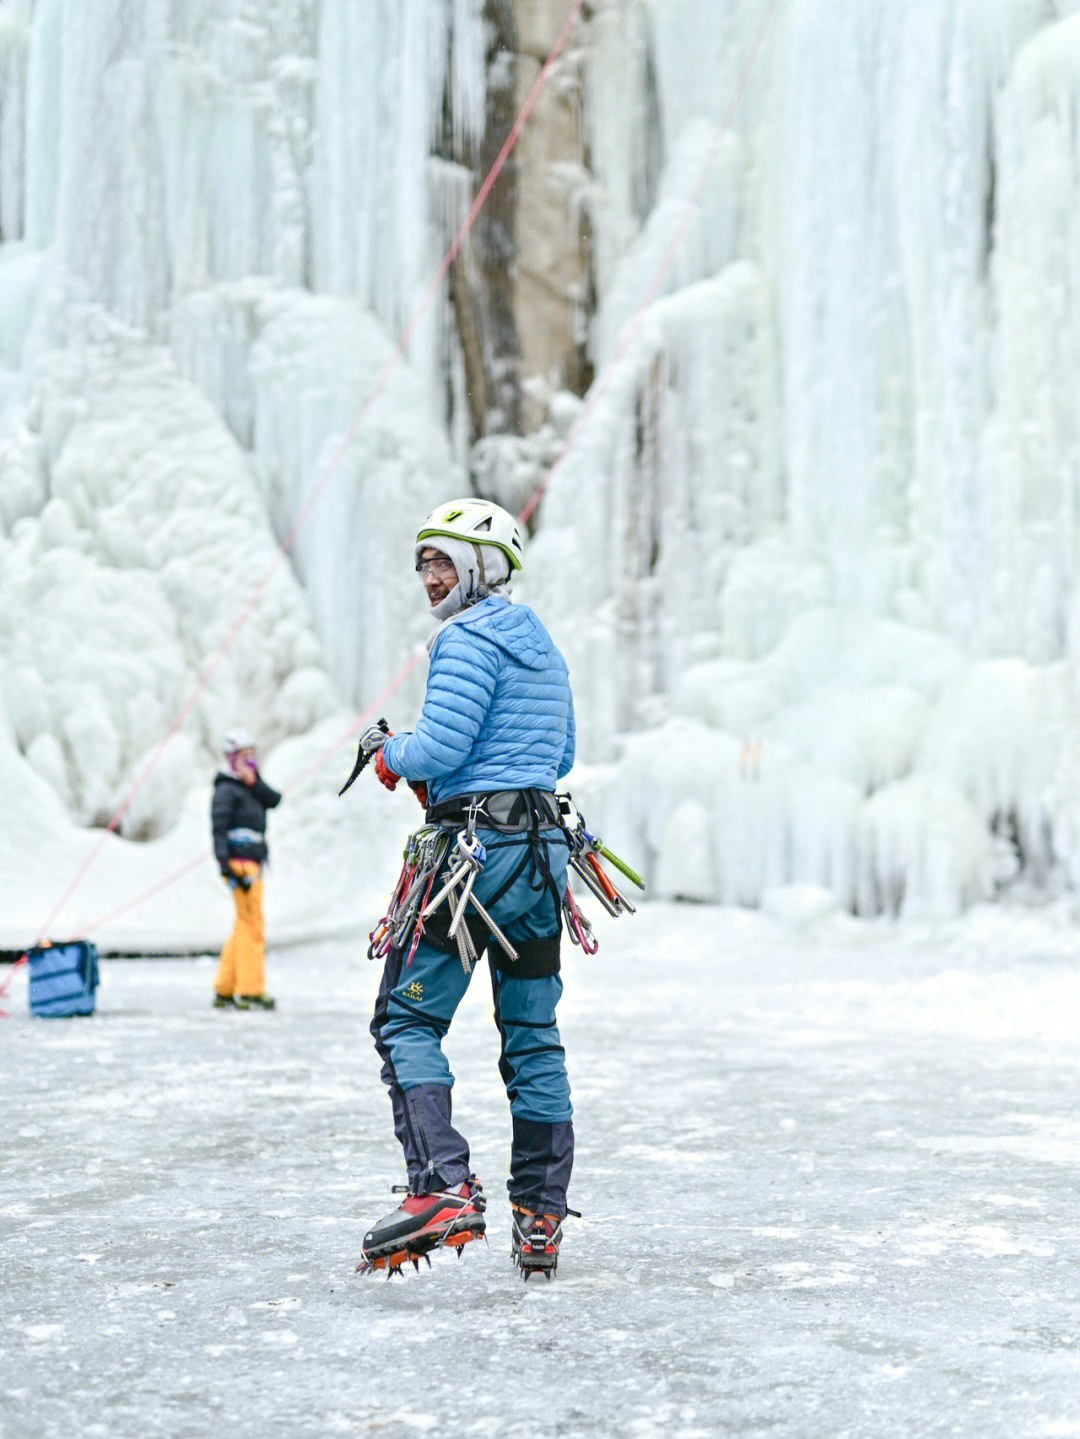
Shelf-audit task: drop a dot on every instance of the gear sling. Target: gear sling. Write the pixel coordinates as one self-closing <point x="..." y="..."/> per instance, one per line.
<point x="517" y="888"/>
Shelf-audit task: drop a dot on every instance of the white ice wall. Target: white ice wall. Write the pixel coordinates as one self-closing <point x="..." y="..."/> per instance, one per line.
<point x="812" y="554"/>
<point x="902" y="181"/>
<point x="215" y="219"/>
<point x="118" y="592"/>
<point x="1036" y="356"/>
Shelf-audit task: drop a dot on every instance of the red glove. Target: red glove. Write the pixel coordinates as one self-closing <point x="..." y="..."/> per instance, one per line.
<point x="383" y="773"/>
<point x="419" y="789"/>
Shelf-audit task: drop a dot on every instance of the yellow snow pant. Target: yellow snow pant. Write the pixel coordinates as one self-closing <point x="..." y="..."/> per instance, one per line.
<point x="242" y="966"/>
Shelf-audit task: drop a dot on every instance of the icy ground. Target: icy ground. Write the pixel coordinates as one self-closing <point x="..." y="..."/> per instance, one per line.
<point x="829" y="1186"/>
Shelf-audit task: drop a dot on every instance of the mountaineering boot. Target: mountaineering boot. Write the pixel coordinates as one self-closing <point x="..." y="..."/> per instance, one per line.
<point x="534" y="1242"/>
<point x="224" y="1001"/>
<point x="424" y="1222"/>
<point x="256" y="1001"/>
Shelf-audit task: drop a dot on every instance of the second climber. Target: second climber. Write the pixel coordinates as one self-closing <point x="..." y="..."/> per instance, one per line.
<point x="238" y="819"/>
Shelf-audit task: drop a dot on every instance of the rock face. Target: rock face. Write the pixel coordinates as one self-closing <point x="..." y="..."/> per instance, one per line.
<point x="521" y="291"/>
<point x="551" y="281"/>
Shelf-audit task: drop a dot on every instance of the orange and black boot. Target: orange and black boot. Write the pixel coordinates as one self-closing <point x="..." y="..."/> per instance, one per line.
<point x="422" y="1223"/>
<point x="534" y="1241"/>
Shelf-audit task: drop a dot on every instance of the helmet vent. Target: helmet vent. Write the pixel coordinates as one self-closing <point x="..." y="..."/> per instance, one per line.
<point x="484" y="524"/>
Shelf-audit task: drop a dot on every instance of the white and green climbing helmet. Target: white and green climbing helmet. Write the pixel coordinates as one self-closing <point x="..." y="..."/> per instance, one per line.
<point x="476" y="521"/>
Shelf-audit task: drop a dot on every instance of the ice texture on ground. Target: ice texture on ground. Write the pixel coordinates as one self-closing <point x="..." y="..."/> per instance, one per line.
<point x="828" y="1185"/>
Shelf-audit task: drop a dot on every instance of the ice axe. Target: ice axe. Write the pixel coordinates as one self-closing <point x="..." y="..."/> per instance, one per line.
<point x="362" y="758"/>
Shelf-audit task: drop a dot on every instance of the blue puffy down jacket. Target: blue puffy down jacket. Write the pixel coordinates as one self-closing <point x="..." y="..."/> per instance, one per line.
<point x="498" y="713"/>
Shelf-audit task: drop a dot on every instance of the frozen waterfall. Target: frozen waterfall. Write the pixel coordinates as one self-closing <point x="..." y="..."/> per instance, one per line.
<point x="812" y="550"/>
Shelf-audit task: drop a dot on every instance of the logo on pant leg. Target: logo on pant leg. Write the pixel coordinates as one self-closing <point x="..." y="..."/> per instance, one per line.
<point x="414" y="990"/>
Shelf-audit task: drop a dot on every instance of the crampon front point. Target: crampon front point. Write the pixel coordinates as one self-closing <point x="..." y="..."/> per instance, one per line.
<point x="412" y="1253"/>
<point x="424" y="1223"/>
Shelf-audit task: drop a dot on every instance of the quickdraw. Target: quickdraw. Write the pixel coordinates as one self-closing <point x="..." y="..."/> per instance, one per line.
<point x="585" y="852"/>
<point x="412" y="903"/>
<point x="577" y="926"/>
<point x="425" y="851"/>
<point x="470" y="856"/>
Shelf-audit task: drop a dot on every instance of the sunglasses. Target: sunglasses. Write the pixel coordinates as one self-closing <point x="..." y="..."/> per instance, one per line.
<point x="438" y="563"/>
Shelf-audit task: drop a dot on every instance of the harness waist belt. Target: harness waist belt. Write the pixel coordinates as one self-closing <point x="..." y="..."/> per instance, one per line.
<point x="509" y="810"/>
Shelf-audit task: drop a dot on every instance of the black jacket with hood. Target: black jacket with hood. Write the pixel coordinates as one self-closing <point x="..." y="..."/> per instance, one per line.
<point x="238" y="818"/>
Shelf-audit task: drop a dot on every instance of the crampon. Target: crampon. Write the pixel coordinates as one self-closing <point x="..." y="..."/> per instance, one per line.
<point x="534" y="1242"/>
<point x="423" y="1224"/>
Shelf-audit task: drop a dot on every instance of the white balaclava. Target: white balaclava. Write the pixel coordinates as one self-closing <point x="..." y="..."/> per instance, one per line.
<point x="481" y="570"/>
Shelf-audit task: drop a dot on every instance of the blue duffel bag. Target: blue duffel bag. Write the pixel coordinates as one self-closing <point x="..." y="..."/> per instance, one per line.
<point x="63" y="978"/>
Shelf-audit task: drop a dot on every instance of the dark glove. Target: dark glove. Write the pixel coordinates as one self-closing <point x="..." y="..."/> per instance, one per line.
<point x="384" y="773"/>
<point x="419" y="789"/>
<point x="243" y="881"/>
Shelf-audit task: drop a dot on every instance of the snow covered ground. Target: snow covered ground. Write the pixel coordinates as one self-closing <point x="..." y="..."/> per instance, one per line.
<point x="828" y="1180"/>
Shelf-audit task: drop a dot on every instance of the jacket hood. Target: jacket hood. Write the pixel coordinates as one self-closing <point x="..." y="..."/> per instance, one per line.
<point x="512" y="628"/>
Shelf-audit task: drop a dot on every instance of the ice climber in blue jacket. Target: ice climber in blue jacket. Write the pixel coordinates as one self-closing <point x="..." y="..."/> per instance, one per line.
<point x="495" y="735"/>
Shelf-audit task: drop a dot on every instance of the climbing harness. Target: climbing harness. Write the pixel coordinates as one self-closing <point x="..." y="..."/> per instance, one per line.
<point x="448" y="850"/>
